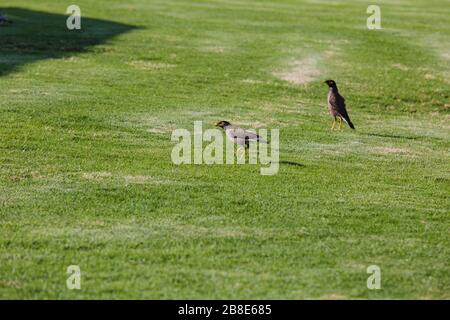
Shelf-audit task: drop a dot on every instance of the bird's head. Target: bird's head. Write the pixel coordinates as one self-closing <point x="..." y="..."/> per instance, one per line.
<point x="330" y="83"/>
<point x="223" y="124"/>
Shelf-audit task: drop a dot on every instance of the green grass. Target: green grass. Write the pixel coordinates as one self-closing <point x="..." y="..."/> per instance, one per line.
<point x="84" y="112"/>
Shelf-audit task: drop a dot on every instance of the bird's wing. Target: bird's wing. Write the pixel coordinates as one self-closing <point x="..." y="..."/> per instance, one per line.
<point x="338" y="103"/>
<point x="239" y="133"/>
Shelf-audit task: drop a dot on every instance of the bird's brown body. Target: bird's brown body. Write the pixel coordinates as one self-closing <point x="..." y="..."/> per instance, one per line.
<point x="336" y="105"/>
<point x="238" y="135"/>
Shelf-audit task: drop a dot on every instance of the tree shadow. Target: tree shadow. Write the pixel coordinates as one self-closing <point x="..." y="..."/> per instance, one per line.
<point x="36" y="35"/>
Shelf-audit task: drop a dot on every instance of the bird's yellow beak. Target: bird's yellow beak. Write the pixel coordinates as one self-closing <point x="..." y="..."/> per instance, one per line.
<point x="217" y="124"/>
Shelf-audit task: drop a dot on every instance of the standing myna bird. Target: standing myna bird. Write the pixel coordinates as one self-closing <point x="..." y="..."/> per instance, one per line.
<point x="336" y="105"/>
<point x="238" y="135"/>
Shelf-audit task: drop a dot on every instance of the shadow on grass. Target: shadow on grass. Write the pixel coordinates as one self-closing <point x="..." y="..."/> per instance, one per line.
<point x="391" y="136"/>
<point x="291" y="163"/>
<point x="36" y="35"/>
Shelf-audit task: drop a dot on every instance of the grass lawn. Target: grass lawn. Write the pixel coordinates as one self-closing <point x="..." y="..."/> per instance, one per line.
<point x="86" y="176"/>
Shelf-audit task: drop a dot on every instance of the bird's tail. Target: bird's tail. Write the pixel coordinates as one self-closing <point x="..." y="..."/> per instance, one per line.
<point x="350" y="124"/>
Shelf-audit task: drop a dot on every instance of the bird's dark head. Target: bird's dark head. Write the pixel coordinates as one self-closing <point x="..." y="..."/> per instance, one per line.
<point x="223" y="124"/>
<point x="330" y="83"/>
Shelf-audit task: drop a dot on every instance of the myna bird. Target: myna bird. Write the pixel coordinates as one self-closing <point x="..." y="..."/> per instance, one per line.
<point x="238" y="135"/>
<point x="336" y="105"/>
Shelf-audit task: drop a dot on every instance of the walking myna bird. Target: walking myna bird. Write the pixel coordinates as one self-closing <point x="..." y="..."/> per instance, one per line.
<point x="336" y="105"/>
<point x="238" y="135"/>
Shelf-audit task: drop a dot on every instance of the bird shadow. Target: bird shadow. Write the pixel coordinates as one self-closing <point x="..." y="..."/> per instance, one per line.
<point x="291" y="163"/>
<point x="36" y="35"/>
<point x="391" y="136"/>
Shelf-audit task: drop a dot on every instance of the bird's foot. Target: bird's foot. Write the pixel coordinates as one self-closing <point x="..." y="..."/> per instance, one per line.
<point x="333" y="124"/>
<point x="241" y="153"/>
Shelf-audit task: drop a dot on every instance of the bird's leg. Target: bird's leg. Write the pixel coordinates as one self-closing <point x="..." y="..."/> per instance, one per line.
<point x="340" y="123"/>
<point x="334" y="123"/>
<point x="240" y="152"/>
